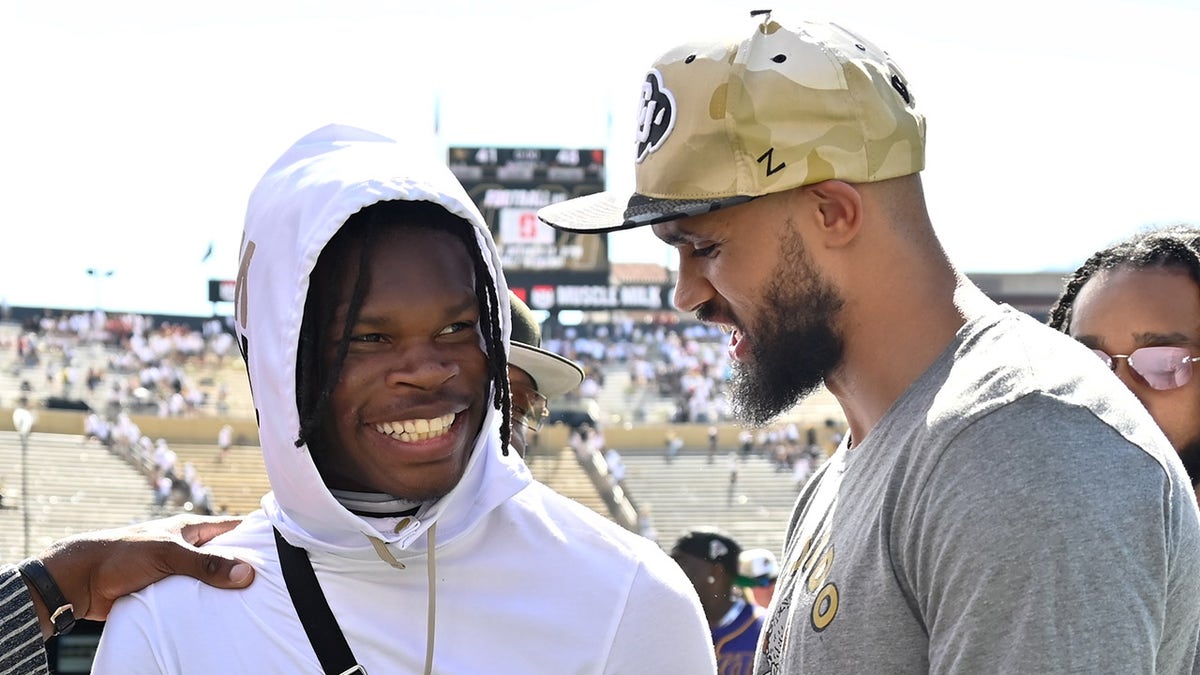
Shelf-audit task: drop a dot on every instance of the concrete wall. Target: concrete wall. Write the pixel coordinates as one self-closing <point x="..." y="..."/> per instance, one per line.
<point x="177" y="429"/>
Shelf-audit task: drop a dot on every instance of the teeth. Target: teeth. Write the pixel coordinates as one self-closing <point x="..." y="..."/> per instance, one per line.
<point x="416" y="430"/>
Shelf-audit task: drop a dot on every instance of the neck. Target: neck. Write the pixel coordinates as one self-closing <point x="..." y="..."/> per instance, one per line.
<point x="733" y="605"/>
<point x="716" y="606"/>
<point x="897" y="335"/>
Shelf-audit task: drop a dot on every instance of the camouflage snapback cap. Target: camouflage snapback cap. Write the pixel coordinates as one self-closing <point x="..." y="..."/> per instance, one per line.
<point x="723" y="123"/>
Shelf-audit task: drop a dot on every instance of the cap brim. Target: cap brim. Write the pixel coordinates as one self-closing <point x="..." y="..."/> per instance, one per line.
<point x="604" y="212"/>
<point x="554" y="374"/>
<point x="753" y="582"/>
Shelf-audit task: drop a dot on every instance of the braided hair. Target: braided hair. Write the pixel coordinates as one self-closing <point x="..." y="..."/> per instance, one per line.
<point x="1175" y="247"/>
<point x="354" y="244"/>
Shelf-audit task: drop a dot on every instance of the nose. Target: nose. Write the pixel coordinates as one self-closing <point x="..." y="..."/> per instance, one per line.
<point x="692" y="288"/>
<point x="423" y="367"/>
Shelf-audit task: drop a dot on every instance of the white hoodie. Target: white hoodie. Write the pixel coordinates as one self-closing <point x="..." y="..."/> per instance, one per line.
<point x="522" y="580"/>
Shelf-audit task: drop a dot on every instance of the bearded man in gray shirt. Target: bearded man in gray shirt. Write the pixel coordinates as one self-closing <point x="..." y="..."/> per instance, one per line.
<point x="1000" y="503"/>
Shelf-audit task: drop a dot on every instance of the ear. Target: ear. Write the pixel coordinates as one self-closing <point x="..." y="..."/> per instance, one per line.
<point x="841" y="210"/>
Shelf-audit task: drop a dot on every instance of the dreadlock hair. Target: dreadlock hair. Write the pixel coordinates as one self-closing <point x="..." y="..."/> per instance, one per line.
<point x="1170" y="247"/>
<point x="354" y="244"/>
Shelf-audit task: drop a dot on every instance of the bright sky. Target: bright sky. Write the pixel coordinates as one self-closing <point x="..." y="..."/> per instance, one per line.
<point x="135" y="130"/>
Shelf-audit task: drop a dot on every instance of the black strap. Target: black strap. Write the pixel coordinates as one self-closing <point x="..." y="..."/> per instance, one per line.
<point x="318" y="620"/>
<point x="62" y="613"/>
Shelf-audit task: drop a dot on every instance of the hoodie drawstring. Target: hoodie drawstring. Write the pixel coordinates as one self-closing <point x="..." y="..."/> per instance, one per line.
<point x="385" y="555"/>
<point x="432" y="612"/>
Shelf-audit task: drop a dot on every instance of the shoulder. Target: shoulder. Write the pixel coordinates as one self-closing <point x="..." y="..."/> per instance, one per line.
<point x="562" y="516"/>
<point x="1040" y="474"/>
<point x="561" y="527"/>
<point x="1011" y="377"/>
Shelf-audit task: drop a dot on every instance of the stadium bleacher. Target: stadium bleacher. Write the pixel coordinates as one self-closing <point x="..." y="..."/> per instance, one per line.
<point x="685" y="494"/>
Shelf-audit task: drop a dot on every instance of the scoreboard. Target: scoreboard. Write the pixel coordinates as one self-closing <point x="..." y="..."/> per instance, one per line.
<point x="509" y="185"/>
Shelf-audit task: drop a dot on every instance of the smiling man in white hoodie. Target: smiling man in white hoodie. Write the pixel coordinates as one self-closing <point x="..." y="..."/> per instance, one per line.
<point x="401" y="534"/>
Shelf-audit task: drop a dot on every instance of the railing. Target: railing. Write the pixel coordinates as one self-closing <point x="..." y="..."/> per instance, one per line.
<point x="620" y="504"/>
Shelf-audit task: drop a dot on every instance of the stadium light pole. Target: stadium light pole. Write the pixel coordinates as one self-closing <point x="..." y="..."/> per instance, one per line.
<point x="99" y="275"/>
<point x="23" y="423"/>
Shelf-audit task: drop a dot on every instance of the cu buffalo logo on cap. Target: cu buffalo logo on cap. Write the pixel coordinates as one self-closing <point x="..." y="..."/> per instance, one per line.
<point x="656" y="117"/>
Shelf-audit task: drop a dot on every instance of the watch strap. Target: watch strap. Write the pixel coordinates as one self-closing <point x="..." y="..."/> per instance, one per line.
<point x="62" y="613"/>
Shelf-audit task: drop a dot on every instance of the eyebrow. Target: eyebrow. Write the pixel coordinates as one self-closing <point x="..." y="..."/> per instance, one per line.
<point x="1160" y="338"/>
<point x="468" y="303"/>
<point x="676" y="237"/>
<point x="1140" y="339"/>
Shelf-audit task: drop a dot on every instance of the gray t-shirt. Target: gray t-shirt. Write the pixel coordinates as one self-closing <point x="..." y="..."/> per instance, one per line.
<point x="1016" y="510"/>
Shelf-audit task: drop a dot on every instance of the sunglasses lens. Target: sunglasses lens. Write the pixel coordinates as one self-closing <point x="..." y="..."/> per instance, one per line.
<point x="1162" y="367"/>
<point x="1108" y="360"/>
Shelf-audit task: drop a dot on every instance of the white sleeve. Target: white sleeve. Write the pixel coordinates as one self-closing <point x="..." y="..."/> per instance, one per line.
<point x="127" y="643"/>
<point x="663" y="629"/>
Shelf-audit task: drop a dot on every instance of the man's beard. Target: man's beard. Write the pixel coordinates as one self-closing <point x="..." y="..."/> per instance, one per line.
<point x="793" y="344"/>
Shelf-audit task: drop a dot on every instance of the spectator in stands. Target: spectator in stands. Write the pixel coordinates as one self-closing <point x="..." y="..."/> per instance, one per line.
<point x="162" y="486"/>
<point x="125" y="435"/>
<point x="165" y="458"/>
<point x="802" y="464"/>
<point x="385" y="416"/>
<point x="710" y="560"/>
<point x="733" y="463"/>
<point x="224" y="442"/>
<point x="615" y="464"/>
<point x="674" y="444"/>
<point x="784" y="167"/>
<point x="579" y="440"/>
<point x="79" y="578"/>
<point x="535" y="375"/>
<point x="745" y="442"/>
<point x="96" y="428"/>
<point x="1136" y="304"/>
<point x="835" y="437"/>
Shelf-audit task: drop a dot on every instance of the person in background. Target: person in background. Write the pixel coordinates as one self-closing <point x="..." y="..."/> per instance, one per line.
<point x="757" y="571"/>
<point x="224" y="442"/>
<point x="745" y="442"/>
<point x="80" y="576"/>
<point x="710" y="560"/>
<point x="536" y="376"/>
<point x="375" y="322"/>
<point x="616" y="465"/>
<point x="1000" y="503"/>
<point x="1136" y="304"/>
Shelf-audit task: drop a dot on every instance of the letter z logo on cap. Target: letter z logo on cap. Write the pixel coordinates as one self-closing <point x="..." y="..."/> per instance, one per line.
<point x="656" y="117"/>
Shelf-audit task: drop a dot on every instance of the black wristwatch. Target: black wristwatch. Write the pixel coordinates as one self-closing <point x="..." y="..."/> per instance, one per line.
<point x="62" y="613"/>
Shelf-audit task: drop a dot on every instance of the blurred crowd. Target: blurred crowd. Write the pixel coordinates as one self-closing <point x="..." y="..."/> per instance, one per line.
<point x="686" y="364"/>
<point x="120" y="363"/>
